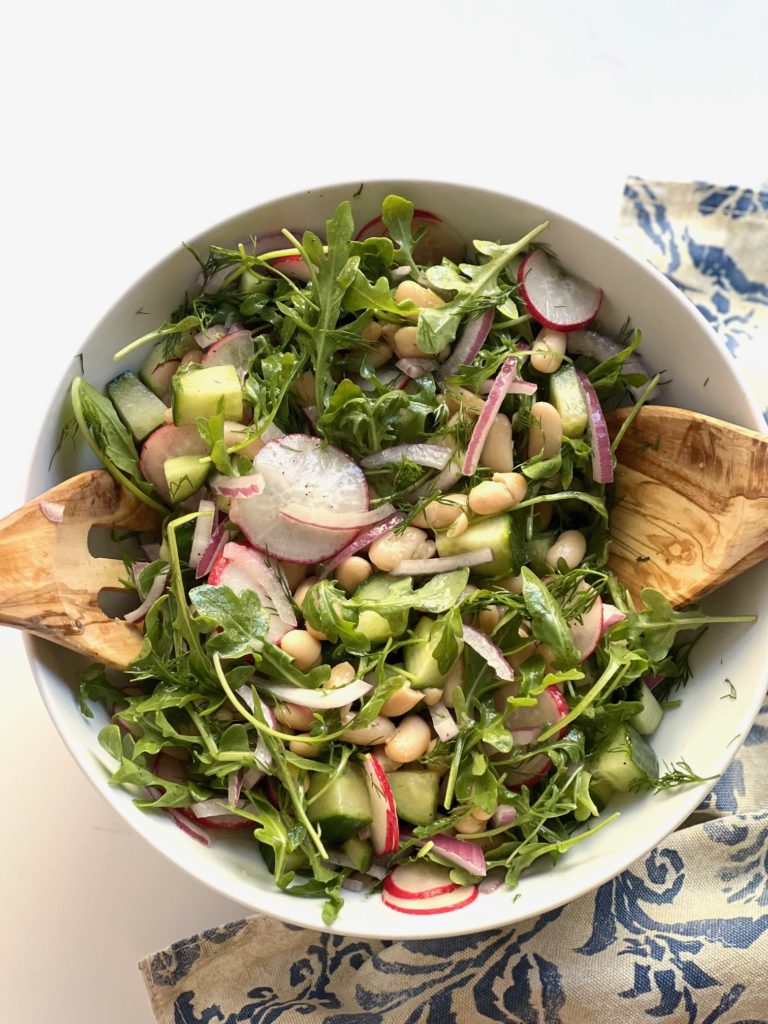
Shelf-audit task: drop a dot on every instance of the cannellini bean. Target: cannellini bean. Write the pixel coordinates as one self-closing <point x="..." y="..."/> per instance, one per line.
<point x="515" y="483"/>
<point x="386" y="762"/>
<point x="294" y="717"/>
<point x="388" y="332"/>
<point x="389" y="550"/>
<point x="293" y="573"/>
<point x="497" y="451"/>
<point x="571" y="546"/>
<point x="409" y="741"/>
<point x="441" y="512"/>
<point x="427" y="549"/>
<point x="352" y="572"/>
<point x="424" y="298"/>
<point x="432" y="695"/>
<point x="546" y="430"/>
<point x="341" y="675"/>
<point x="380" y="730"/>
<point x="453" y="681"/>
<point x="480" y="814"/>
<point x="459" y="526"/>
<point x="489" y="618"/>
<point x="469" y="825"/>
<point x="378" y="355"/>
<point x="404" y="343"/>
<point x="548" y="351"/>
<point x="300" y="596"/>
<point x="401" y="702"/>
<point x="303" y="648"/>
<point x="543" y="514"/>
<point x="514" y="584"/>
<point x="302" y="749"/>
<point x="488" y="497"/>
<point x="371" y="332"/>
<point x="303" y="389"/>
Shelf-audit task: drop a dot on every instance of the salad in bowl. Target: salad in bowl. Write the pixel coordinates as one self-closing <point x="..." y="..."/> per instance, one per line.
<point x="382" y="647"/>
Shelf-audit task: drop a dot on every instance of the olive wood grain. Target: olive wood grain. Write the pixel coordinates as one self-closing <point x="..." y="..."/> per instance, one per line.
<point x="50" y="583"/>
<point x="690" y="502"/>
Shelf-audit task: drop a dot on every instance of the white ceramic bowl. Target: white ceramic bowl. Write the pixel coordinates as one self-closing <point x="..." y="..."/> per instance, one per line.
<point x="676" y="339"/>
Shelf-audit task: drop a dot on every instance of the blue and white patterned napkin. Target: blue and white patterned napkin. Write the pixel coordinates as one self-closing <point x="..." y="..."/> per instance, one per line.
<point x="678" y="937"/>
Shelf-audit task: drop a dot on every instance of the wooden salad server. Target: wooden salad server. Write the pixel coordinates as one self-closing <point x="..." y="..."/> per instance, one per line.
<point x="689" y="512"/>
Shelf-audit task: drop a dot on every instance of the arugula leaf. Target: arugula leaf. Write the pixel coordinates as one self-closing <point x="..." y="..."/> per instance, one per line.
<point x="548" y="622"/>
<point x="362" y="294"/>
<point x="397" y="214"/>
<point x="95" y="687"/>
<point x="240" y="617"/>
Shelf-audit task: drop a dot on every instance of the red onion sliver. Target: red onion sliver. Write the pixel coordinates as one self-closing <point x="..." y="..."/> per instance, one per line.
<point x="204" y="525"/>
<point x="459" y="852"/>
<point x="324" y="519"/>
<point x="53" y="511"/>
<point x="443" y="482"/>
<point x="159" y="584"/>
<point x="401" y="382"/>
<point x="212" y="808"/>
<point x="602" y="456"/>
<point x="488" y="650"/>
<point x="264" y="576"/>
<point x="491" y="882"/>
<point x="652" y="679"/>
<point x="251" y="777"/>
<point x="362" y="541"/>
<point x="430" y="566"/>
<point x="215" y="547"/>
<point x="504" y="814"/>
<point x="320" y="700"/>
<point x="469" y="344"/>
<point x="261" y="753"/>
<point x="237" y="486"/>
<point x="443" y="722"/>
<point x="271" y="433"/>
<point x="415" y="368"/>
<point x="234" y="785"/>
<point x="488" y="415"/>
<point x="354" y="884"/>
<point x="188" y="826"/>
<point x="433" y="456"/>
<point x="515" y="387"/>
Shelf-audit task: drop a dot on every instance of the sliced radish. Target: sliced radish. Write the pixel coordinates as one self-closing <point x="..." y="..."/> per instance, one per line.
<point x="159" y="379"/>
<point x="469" y="344"/>
<point x="529" y="772"/>
<point x="222" y="821"/>
<point x="239" y="577"/>
<point x="433" y="456"/>
<point x="419" y="879"/>
<point x="586" y="631"/>
<point x="292" y="266"/>
<point x="600" y="439"/>
<point x="235" y="433"/>
<point x="167" y="442"/>
<point x="187" y="827"/>
<point x="362" y="540"/>
<point x="498" y="392"/>
<point x="550" y="707"/>
<point x="302" y="469"/>
<point x="320" y="699"/>
<point x="611" y="616"/>
<point x="235" y="349"/>
<point x="265" y="577"/>
<point x="323" y="519"/>
<point x="201" y="538"/>
<point x="454" y="900"/>
<point x="211" y="335"/>
<point x="385" y="830"/>
<point x="556" y="299"/>
<point x="439" y="240"/>
<point x="237" y="486"/>
<point x="488" y="650"/>
<point x="219" y="538"/>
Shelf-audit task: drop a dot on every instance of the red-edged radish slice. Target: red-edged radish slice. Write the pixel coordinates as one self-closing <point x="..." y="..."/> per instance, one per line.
<point x="164" y="443"/>
<point x="419" y="880"/>
<point x="439" y="240"/>
<point x="529" y="772"/>
<point x="265" y="577"/>
<point x="600" y="439"/>
<point x="239" y="577"/>
<point x="302" y="469"/>
<point x="219" y="538"/>
<point x="385" y="829"/>
<point x="292" y="266"/>
<point x="550" y="707"/>
<point x="159" y="380"/>
<point x="362" y="540"/>
<point x="211" y="335"/>
<point x="488" y="650"/>
<point x="498" y="392"/>
<point x="611" y="616"/>
<point x="556" y="299"/>
<point x="188" y="827"/>
<point x="234" y="349"/>
<point x="322" y="519"/>
<point x="222" y="821"/>
<point x="586" y="631"/>
<point x="454" y="900"/>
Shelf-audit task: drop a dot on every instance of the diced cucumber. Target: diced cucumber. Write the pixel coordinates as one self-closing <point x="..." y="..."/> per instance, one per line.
<point x="419" y="658"/>
<point x="139" y="409"/>
<point x="200" y="391"/>
<point x="499" y="533"/>
<point x="567" y="397"/>
<point x="360" y="852"/>
<point x="647" y="720"/>
<point x="296" y="860"/>
<point x="378" y="628"/>
<point x="601" y="792"/>
<point x="161" y="363"/>
<point x="627" y="758"/>
<point x="415" y="793"/>
<point x="343" y="809"/>
<point x="537" y="551"/>
<point x="184" y="475"/>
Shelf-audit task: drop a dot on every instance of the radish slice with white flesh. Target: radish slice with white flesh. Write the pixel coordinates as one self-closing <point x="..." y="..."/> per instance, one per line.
<point x="204" y="525"/>
<point x="415" y="368"/>
<point x="586" y="631"/>
<point x="265" y="577"/>
<point x="443" y="722"/>
<point x="600" y="439"/>
<point x="160" y="377"/>
<point x="432" y="456"/>
<point x="215" y="547"/>
<point x="555" y="299"/>
<point x="319" y="700"/>
<point x="488" y="650"/>
<point x="322" y="519"/>
<point x="472" y="339"/>
<point x="211" y="335"/>
<point x="419" y="879"/>
<point x="612" y="616"/>
<point x="239" y="577"/>
<point x="498" y="393"/>
<point x="292" y="266"/>
<point x="302" y="469"/>
<point x="235" y="349"/>
<point x="431" y="566"/>
<point x="439" y="240"/>
<point x="385" y="829"/>
<point x="454" y="900"/>
<point x="237" y="486"/>
<point x="187" y="827"/>
<point x="550" y="707"/>
<point x="363" y="540"/>
<point x="167" y="442"/>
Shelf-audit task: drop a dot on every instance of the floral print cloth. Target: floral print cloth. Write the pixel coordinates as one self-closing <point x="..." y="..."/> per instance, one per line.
<point x="680" y="937"/>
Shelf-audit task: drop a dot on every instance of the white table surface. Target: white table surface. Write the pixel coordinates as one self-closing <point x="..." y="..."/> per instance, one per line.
<point x="128" y="129"/>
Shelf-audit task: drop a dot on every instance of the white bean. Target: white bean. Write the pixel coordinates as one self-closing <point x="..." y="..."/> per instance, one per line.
<point x="489" y="618"/>
<point x="453" y="681"/>
<point x="546" y="430"/>
<point x="303" y="648"/>
<point x="380" y="730"/>
<point x="389" y="550"/>
<point x="404" y="343"/>
<point x="441" y="512"/>
<point x="571" y="546"/>
<point x="432" y="695"/>
<point x="469" y="825"/>
<point x="371" y="332"/>
<point x="497" y="451"/>
<point x="424" y="298"/>
<point x="293" y="573"/>
<point x="548" y="351"/>
<point x="488" y="497"/>
<point x="515" y="483"/>
<point x="294" y="717"/>
<point x="409" y="741"/>
<point x="352" y="572"/>
<point x="341" y="675"/>
<point x="401" y="702"/>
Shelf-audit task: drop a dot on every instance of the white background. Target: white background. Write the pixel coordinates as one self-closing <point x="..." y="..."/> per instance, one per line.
<point x="127" y="129"/>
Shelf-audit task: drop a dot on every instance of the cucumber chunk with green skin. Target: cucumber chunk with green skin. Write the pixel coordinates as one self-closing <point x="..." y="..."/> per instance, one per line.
<point x="375" y="627"/>
<point x="419" y="660"/>
<point x="343" y="809"/>
<point x="360" y="853"/>
<point x="205" y="391"/>
<point x="138" y="407"/>
<point x="647" y="720"/>
<point x="566" y="395"/>
<point x="184" y="474"/>
<point x="626" y="760"/>
<point x="601" y="792"/>
<point x="499" y="533"/>
<point x="415" y="792"/>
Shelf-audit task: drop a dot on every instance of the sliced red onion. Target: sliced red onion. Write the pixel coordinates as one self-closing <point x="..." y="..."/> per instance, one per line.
<point x="211" y="334"/>
<point x="216" y="544"/>
<point x="443" y="722"/>
<point x="602" y="456"/>
<point x="204" y="525"/>
<point x="491" y="882"/>
<point x="504" y="815"/>
<point x="459" y="852"/>
<point x="251" y="777"/>
<point x="261" y="753"/>
<point x="325" y="519"/>
<point x="151" y="552"/>
<point x="400" y="273"/>
<point x="515" y="387"/>
<point x="212" y="808"/>
<point x="255" y="565"/>
<point x="653" y="679"/>
<point x="271" y="433"/>
<point x="237" y="486"/>
<point x="488" y="650"/>
<point x="187" y="826"/>
<point x="354" y="883"/>
<point x="599" y="347"/>
<point x="469" y="344"/>
<point x="443" y="482"/>
<point x="488" y="415"/>
<point x="415" y="368"/>
<point x="234" y="785"/>
<point x="218" y="277"/>
<point x="362" y="540"/>
<point x="400" y="383"/>
<point x="159" y="584"/>
<point x="430" y="566"/>
<point x="320" y="700"/>
<point x="611" y="615"/>
<point x="433" y="456"/>
<point x="53" y="511"/>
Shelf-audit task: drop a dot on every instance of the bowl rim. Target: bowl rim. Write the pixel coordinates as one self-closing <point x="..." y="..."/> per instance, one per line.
<point x="437" y="926"/>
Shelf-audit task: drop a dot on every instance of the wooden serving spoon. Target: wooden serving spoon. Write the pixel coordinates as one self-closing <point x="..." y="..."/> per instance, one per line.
<point x="690" y="512"/>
